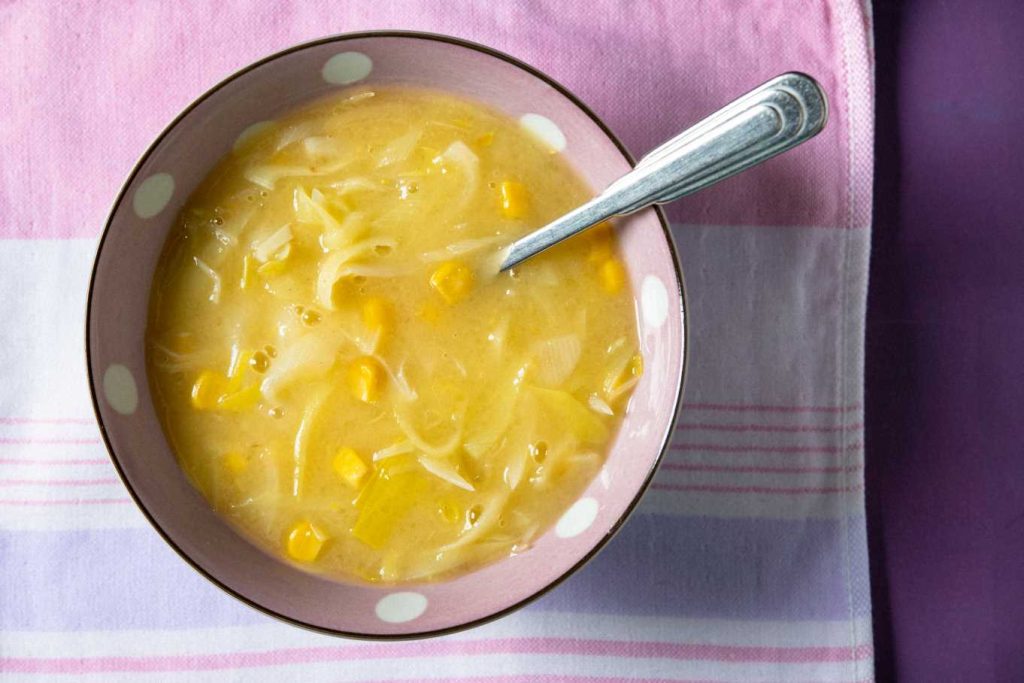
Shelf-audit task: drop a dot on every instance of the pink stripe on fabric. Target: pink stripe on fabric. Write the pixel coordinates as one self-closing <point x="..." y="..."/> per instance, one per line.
<point x="58" y="482"/>
<point x="767" y="490"/>
<point x="804" y="187"/>
<point x="742" y="469"/>
<point x="765" y="408"/>
<point x="781" y="450"/>
<point x="26" y="441"/>
<point x="55" y="502"/>
<point x="54" y="461"/>
<point x="434" y="648"/>
<point x="783" y="429"/>
<point x="46" y="421"/>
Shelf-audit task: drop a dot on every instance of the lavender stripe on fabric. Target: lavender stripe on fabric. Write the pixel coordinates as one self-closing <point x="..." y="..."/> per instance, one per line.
<point x="106" y="579"/>
<point x="657" y="565"/>
<point x="721" y="568"/>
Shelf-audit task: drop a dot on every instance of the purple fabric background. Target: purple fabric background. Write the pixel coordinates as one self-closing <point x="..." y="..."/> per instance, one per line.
<point x="945" y="379"/>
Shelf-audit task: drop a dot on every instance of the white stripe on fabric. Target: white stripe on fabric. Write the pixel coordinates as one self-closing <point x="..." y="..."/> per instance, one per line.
<point x="45" y="283"/>
<point x="77" y="517"/>
<point x="494" y="669"/>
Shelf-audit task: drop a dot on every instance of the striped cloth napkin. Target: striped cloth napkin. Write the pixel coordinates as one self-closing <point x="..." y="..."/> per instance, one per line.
<point x="747" y="560"/>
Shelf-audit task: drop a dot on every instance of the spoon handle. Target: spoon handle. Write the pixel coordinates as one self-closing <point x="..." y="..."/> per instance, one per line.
<point x="769" y="120"/>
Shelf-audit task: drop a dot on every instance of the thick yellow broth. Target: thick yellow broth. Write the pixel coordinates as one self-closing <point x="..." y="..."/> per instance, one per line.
<point x="339" y="368"/>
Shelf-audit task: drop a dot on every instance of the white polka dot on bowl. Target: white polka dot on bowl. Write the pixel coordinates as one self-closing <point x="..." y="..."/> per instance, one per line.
<point x="152" y="195"/>
<point x="346" y="68"/>
<point x="251" y="132"/>
<point x="120" y="390"/>
<point x="398" y="608"/>
<point x="578" y="518"/>
<point x="654" y="301"/>
<point x="545" y="130"/>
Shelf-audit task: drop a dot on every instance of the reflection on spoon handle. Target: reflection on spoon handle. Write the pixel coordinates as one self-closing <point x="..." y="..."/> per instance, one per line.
<point x="769" y="120"/>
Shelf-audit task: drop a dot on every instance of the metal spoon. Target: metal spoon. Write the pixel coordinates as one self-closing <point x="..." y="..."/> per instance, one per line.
<point x="769" y="120"/>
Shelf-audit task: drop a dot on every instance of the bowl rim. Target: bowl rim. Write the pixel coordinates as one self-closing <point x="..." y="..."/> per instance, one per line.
<point x="340" y="38"/>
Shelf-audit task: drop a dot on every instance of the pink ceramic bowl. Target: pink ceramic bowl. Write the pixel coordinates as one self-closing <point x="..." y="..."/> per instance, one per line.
<point x="119" y="294"/>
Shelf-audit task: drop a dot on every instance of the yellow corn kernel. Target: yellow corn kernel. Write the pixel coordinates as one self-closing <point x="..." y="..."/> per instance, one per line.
<point x="601" y="245"/>
<point x="613" y="276"/>
<point x="243" y="399"/>
<point x="376" y="315"/>
<point x="235" y="462"/>
<point x="350" y="467"/>
<point x="485" y="140"/>
<point x="248" y="272"/>
<point x="365" y="379"/>
<point x="514" y="200"/>
<point x="452" y="280"/>
<point x="207" y="390"/>
<point x="305" y="541"/>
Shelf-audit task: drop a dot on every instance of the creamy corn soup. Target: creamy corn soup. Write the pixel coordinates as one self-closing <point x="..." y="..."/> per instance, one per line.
<point x="340" y="369"/>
